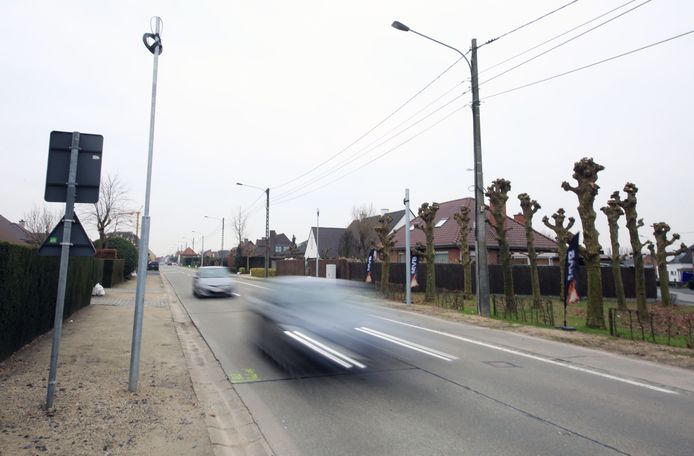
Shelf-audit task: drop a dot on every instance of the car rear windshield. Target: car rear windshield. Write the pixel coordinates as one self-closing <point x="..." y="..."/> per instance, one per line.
<point x="213" y="273"/>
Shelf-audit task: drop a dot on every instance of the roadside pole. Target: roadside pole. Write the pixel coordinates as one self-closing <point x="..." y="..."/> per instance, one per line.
<point x="62" y="275"/>
<point x="317" y="249"/>
<point x="155" y="47"/>
<point x="408" y="266"/>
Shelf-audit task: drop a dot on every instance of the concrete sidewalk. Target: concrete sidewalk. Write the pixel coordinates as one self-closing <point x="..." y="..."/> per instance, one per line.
<point x="94" y="413"/>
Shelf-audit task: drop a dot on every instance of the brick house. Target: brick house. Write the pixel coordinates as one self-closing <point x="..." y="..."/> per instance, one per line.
<point x="446" y="237"/>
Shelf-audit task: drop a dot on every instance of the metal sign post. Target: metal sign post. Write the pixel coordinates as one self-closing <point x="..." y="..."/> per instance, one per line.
<point x="62" y="275"/>
<point x="155" y="48"/>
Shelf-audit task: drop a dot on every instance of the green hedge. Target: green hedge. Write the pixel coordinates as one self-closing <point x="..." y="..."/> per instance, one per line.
<point x="28" y="289"/>
<point x="260" y="272"/>
<point x="112" y="272"/>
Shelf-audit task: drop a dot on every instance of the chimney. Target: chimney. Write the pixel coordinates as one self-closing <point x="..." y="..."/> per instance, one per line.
<point x="384" y="211"/>
<point x="23" y="224"/>
<point x="520" y="218"/>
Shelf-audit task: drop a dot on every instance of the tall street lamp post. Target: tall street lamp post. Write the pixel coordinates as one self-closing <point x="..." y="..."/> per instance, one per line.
<point x="152" y="42"/>
<point x="221" y="261"/>
<point x="480" y="209"/>
<point x="267" y="223"/>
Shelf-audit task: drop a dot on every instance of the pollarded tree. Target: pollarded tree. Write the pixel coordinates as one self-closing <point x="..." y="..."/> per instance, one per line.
<point x="613" y="212"/>
<point x="464" y="227"/>
<point x="586" y="174"/>
<point x="660" y="231"/>
<point x="562" y="236"/>
<point x="498" y="195"/>
<point x="386" y="243"/>
<point x="633" y="224"/>
<point x="427" y="214"/>
<point x="530" y="207"/>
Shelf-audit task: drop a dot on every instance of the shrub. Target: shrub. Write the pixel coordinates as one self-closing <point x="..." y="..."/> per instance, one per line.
<point x="260" y="272"/>
<point x="127" y="251"/>
<point x="242" y="270"/>
<point x="29" y="286"/>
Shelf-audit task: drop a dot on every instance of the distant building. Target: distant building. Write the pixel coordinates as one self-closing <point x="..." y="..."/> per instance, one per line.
<point x="14" y="233"/>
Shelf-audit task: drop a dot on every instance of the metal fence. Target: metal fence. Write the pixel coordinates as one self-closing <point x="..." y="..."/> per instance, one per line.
<point x="663" y="325"/>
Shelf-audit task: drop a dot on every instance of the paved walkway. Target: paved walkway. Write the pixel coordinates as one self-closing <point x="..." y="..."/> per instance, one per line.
<point x="184" y="403"/>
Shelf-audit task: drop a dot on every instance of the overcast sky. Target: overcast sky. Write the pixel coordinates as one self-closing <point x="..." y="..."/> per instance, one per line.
<point x="261" y="92"/>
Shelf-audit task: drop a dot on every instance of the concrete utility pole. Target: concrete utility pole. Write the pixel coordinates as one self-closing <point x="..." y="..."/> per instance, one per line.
<point x="408" y="260"/>
<point x="155" y="47"/>
<point x="317" y="249"/>
<point x="267" y="224"/>
<point x="480" y="208"/>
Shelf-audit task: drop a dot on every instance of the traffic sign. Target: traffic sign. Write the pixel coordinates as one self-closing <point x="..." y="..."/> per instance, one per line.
<point x="88" y="167"/>
<point x="80" y="245"/>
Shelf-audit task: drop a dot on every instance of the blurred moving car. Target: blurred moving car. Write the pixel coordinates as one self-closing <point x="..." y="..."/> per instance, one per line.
<point x="212" y="281"/>
<point x="302" y="321"/>
<point x="153" y="266"/>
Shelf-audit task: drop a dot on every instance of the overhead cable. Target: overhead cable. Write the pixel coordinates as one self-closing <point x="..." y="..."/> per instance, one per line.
<point x="564" y="42"/>
<point x="375" y="144"/>
<point x="527" y="23"/>
<point x="556" y="36"/>
<point x="589" y="65"/>
<point x="392" y="149"/>
<point x="372" y="128"/>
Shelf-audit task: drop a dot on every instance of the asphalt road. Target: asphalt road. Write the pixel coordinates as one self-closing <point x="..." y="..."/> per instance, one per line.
<point x="441" y="388"/>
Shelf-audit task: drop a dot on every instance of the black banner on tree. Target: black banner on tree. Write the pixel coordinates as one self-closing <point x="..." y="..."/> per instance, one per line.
<point x="369" y="265"/>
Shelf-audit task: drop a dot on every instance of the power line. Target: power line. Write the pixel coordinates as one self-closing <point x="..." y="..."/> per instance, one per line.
<point x="371" y="146"/>
<point x="367" y="150"/>
<point x="527" y="23"/>
<point x="589" y="65"/>
<point x="556" y="36"/>
<point x="564" y="42"/>
<point x="372" y="128"/>
<point x="379" y="156"/>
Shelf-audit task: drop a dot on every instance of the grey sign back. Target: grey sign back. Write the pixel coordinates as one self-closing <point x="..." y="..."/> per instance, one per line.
<point x="88" y="167"/>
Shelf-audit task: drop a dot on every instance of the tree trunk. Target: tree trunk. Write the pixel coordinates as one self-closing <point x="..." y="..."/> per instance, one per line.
<point x="498" y="195"/>
<point x="586" y="174"/>
<point x="613" y="212"/>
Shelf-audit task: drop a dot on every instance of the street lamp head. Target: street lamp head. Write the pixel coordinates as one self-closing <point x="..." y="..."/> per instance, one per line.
<point x="400" y="26"/>
<point x="239" y="183"/>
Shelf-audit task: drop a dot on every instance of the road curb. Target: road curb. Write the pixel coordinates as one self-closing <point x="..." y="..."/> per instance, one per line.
<point x="231" y="427"/>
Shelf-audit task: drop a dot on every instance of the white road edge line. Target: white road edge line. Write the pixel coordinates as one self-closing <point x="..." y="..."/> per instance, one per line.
<point x="404" y="343"/>
<point x="331" y="350"/>
<point x="537" y="358"/>
<point x="318" y="350"/>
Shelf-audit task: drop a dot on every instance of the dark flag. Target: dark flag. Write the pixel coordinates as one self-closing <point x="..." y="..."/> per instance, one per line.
<point x="414" y="262"/>
<point x="369" y="265"/>
<point x="570" y="292"/>
<point x="572" y="296"/>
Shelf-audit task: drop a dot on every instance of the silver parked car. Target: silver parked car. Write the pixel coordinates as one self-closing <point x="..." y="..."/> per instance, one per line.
<point x="212" y="281"/>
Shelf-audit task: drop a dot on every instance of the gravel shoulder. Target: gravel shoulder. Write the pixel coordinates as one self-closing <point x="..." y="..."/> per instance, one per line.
<point x="94" y="413"/>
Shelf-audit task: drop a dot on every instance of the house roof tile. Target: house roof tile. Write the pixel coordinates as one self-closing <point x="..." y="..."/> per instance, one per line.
<point x="446" y="235"/>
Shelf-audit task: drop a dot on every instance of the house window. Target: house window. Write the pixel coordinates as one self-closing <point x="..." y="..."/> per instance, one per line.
<point x="441" y="257"/>
<point x="440" y="223"/>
